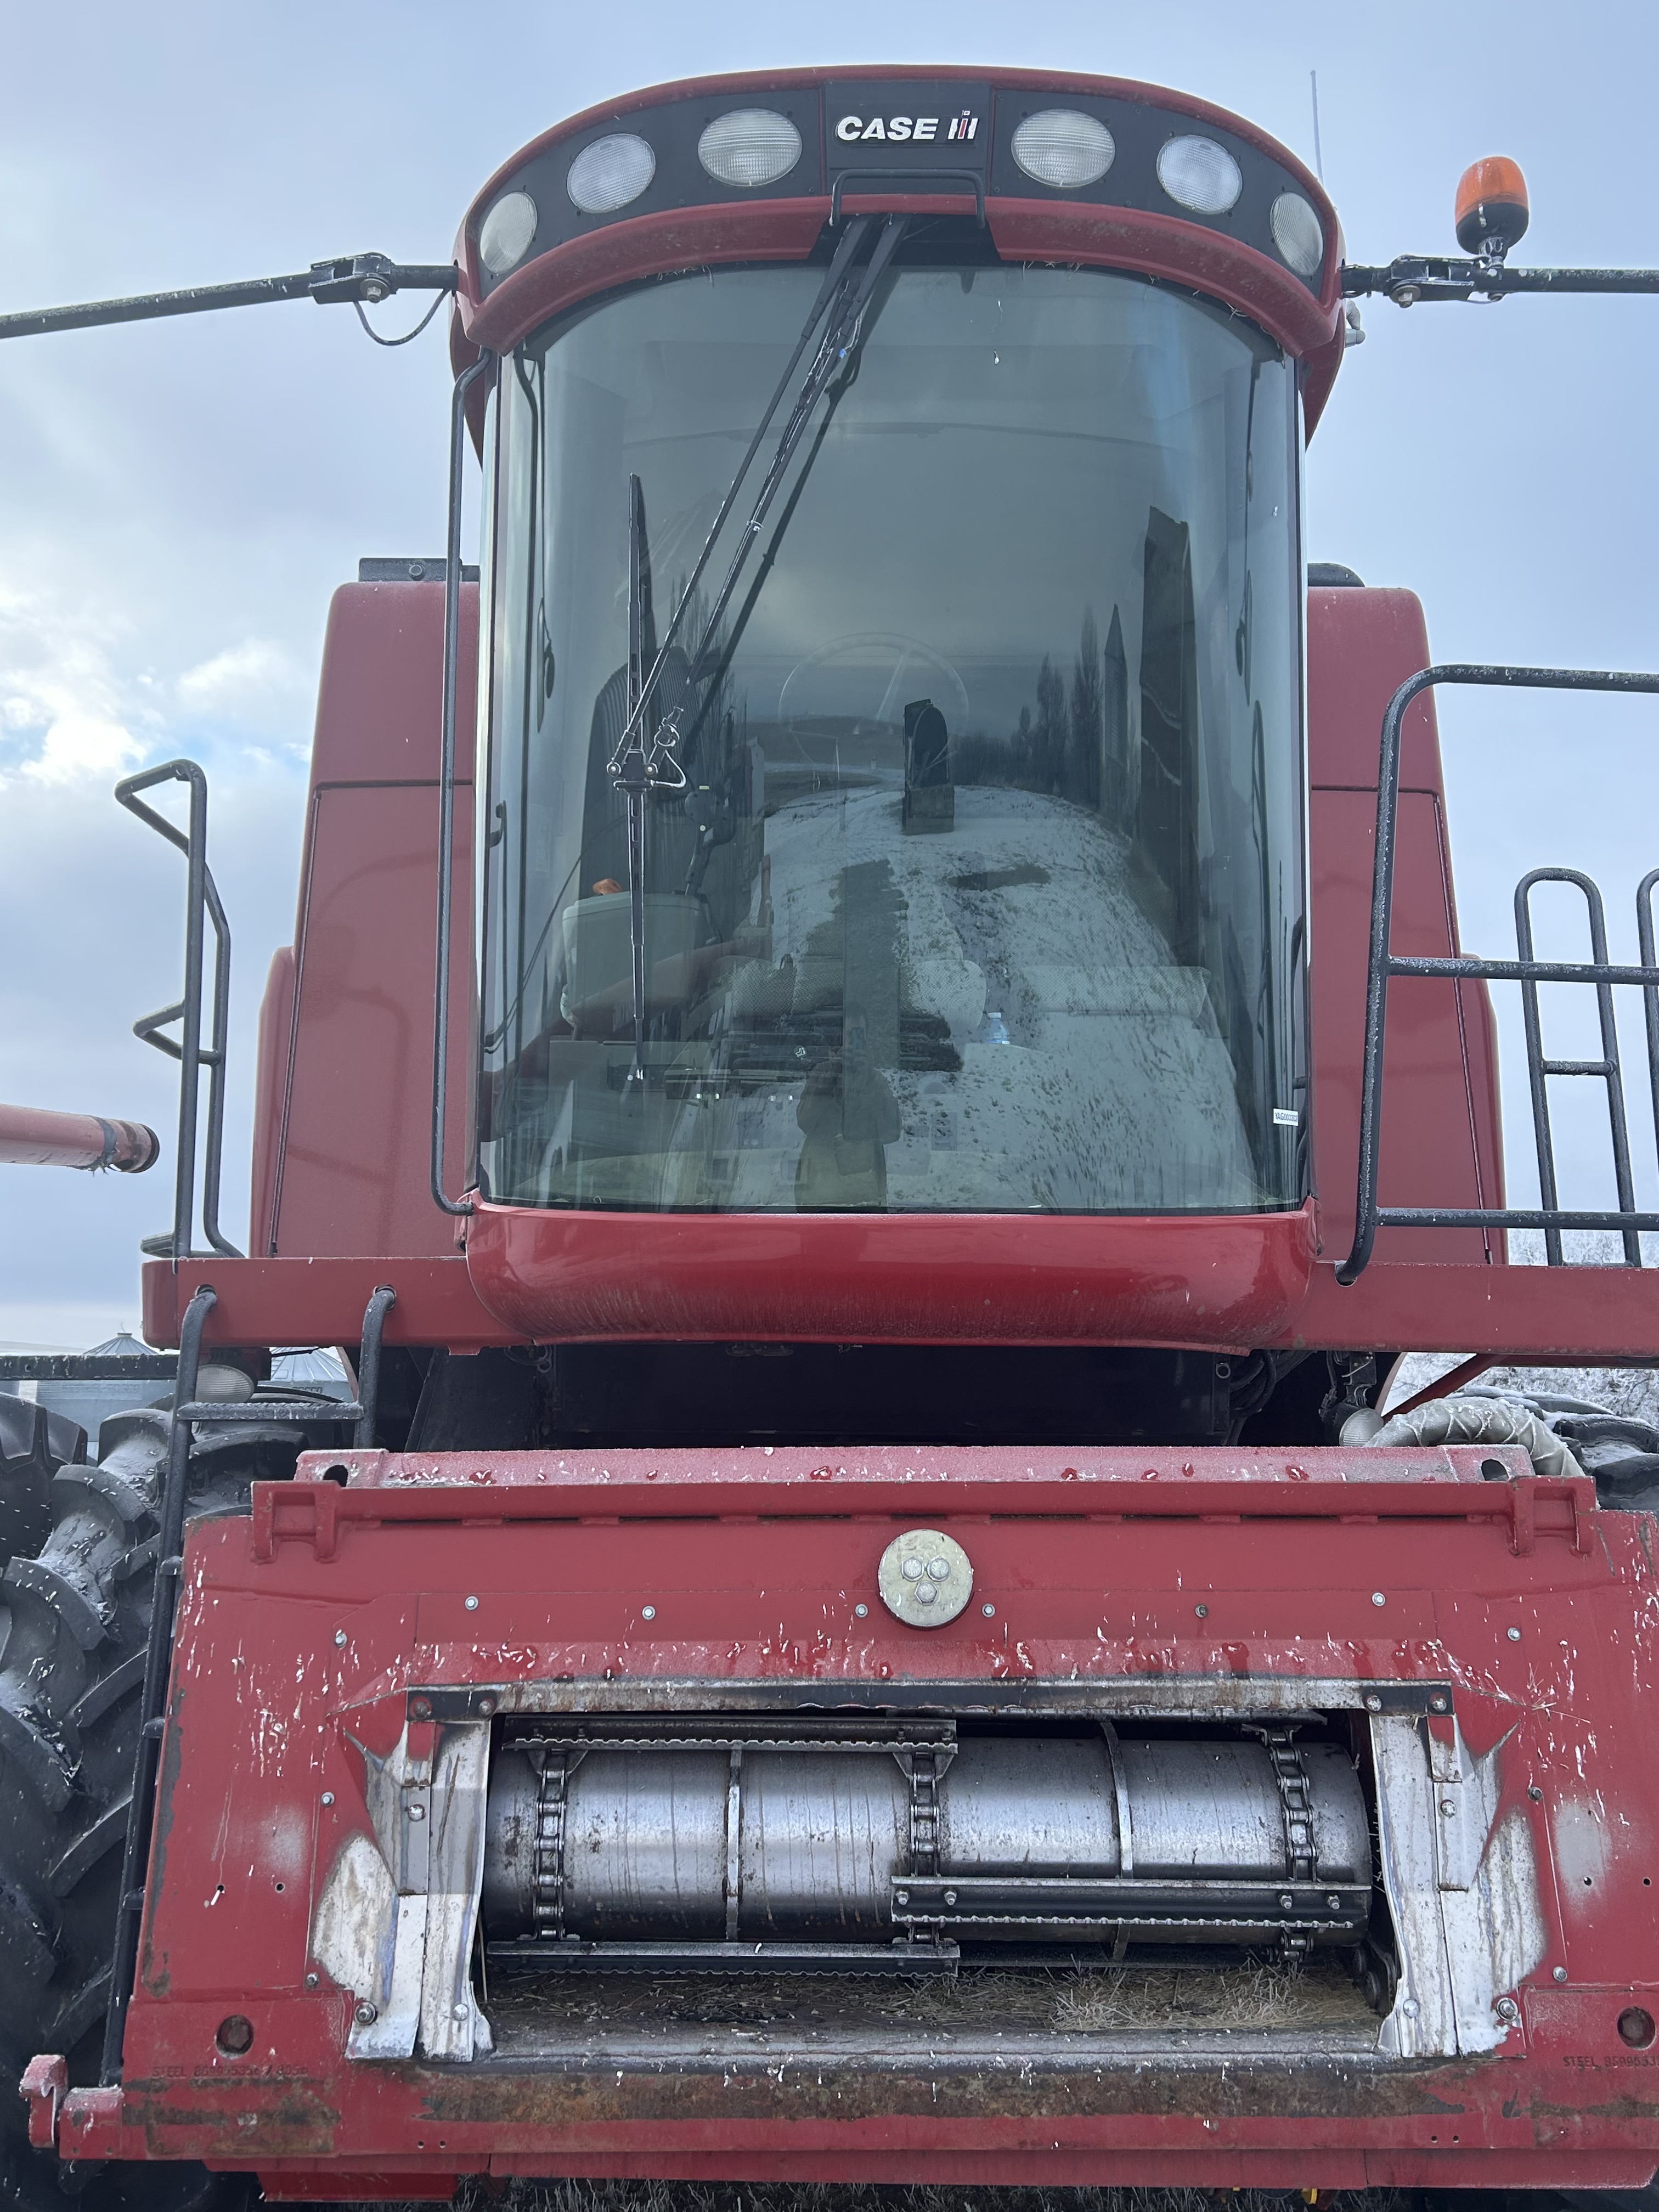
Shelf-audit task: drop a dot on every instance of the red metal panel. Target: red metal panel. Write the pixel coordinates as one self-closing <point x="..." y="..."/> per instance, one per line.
<point x="1520" y="1311"/>
<point x="291" y="1638"/>
<point x="1206" y="1281"/>
<point x="357" y="1132"/>
<point x="270" y="1301"/>
<point x="1428" y="1155"/>
<point x="1362" y="643"/>
<point x="786" y="230"/>
<point x="353" y="1128"/>
<point x="1440" y="1140"/>
<point x="271" y="1069"/>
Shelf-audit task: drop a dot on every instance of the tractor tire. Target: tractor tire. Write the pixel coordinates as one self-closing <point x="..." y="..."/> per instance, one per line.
<point x="74" y="1628"/>
<point x="33" y="1445"/>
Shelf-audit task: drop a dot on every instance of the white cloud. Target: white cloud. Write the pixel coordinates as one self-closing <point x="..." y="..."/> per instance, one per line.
<point x="240" y="681"/>
<point x="84" y="748"/>
<point x="59" y="693"/>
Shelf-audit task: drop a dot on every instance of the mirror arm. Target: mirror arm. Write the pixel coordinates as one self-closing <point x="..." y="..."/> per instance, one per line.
<point x="1411" y="277"/>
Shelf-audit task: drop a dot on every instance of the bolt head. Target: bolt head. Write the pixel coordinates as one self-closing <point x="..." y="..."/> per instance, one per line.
<point x="1514" y="1635"/>
<point x="1286" y="1901"/>
<point x="1507" y="2009"/>
<point x="1379" y="1597"/>
<point x="648" y="1613"/>
<point x="340" y="1637"/>
<point x="1373" y="1702"/>
<point x="1534" y="1793"/>
<point x="373" y="290"/>
<point x="417" y="1811"/>
<point x="313" y="1980"/>
<point x="950" y="1897"/>
<point x="1202" y="1611"/>
<point x="328" y="1797"/>
<point x="1559" y="1973"/>
<point x="470" y="1603"/>
<point x="901" y="1896"/>
<point x="486" y="1706"/>
<point x="1335" y="1903"/>
<point x="989" y="1611"/>
<point x="1437" y="1705"/>
<point x="460" y="2012"/>
<point x="365" y="2013"/>
<point x="861" y="1612"/>
<point x="926" y="1594"/>
<point x="422" y="1708"/>
<point x="1411" y="2007"/>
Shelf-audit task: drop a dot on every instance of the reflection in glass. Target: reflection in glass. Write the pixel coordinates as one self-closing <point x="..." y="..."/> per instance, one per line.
<point x="985" y="892"/>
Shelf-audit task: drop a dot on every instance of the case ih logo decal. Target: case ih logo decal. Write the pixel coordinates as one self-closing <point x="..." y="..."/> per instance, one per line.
<point x="918" y="130"/>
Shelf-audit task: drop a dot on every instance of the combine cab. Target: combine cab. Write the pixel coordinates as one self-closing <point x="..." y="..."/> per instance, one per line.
<point x="875" y="1131"/>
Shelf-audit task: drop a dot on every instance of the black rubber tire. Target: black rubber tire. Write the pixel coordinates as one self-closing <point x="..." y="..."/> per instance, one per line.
<point x="74" y="1626"/>
<point x="33" y="1445"/>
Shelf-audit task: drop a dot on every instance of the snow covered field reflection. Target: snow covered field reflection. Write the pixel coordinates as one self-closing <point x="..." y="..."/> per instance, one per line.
<point x="990" y="1021"/>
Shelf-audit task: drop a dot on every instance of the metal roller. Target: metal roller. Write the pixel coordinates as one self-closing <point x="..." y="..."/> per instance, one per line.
<point x="859" y="1836"/>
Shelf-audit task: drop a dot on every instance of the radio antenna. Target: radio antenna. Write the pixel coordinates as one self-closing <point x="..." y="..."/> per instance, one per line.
<point x="1319" y="158"/>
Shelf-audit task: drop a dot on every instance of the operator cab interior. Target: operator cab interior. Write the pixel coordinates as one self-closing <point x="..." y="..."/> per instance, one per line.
<point x="972" y="880"/>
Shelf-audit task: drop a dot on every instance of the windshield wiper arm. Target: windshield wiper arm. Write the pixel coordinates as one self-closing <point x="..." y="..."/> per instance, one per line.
<point x="636" y="772"/>
<point x="841" y="342"/>
<point x="636" y="768"/>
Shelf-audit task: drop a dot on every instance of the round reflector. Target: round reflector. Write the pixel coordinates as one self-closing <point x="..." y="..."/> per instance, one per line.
<point x="1491" y="209"/>
<point x="505" y="234"/>
<point x="1199" y="174"/>
<point x="749" y="146"/>
<point x="1298" y="233"/>
<point x="1064" y="148"/>
<point x="609" y="174"/>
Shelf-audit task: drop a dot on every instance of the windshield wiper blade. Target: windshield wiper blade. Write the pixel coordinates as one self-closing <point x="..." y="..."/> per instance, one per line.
<point x="636" y="768"/>
<point x="636" y="772"/>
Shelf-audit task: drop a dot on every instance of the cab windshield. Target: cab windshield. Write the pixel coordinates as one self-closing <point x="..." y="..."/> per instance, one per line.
<point x="984" y="889"/>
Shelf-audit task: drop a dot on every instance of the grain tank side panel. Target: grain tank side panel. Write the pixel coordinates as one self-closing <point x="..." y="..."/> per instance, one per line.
<point x="352" y="1135"/>
<point x="1441" y="1142"/>
<point x="271" y="1055"/>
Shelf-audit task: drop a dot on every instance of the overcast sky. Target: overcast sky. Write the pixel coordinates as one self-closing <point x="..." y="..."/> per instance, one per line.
<point x="178" y="500"/>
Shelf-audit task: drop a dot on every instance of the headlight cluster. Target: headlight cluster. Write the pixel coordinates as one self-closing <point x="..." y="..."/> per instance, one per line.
<point x="748" y="148"/>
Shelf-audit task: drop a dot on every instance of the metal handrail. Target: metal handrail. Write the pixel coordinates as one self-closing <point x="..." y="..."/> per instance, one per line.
<point x="1384" y="964"/>
<point x="202" y="906"/>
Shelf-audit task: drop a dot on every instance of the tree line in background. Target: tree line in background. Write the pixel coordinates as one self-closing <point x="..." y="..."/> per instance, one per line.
<point x="1072" y="746"/>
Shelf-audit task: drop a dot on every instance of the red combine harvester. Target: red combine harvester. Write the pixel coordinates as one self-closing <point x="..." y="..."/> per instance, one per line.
<point x="861" y="1622"/>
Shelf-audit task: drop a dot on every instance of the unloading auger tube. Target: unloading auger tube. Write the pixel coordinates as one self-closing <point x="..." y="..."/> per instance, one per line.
<point x="634" y="1843"/>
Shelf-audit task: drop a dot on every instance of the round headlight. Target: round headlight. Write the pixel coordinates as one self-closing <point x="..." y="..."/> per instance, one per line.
<point x="609" y="174"/>
<point x="505" y="234"/>
<point x="1063" y="148"/>
<point x="749" y="146"/>
<point x="1298" y="233"/>
<point x="1199" y="174"/>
